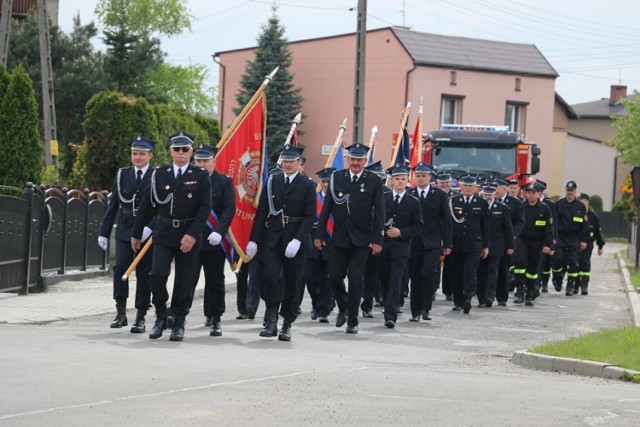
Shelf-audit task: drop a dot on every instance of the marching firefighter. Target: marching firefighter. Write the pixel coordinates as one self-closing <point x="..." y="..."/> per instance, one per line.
<point x="584" y="270"/>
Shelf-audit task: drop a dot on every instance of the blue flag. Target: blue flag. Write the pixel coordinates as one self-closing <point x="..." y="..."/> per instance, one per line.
<point x="338" y="160"/>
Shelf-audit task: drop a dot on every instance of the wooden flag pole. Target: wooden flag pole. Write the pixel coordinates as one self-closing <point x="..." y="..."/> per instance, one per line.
<point x="138" y="258"/>
<point x="405" y="117"/>
<point x="372" y="140"/>
<point x="334" y="148"/>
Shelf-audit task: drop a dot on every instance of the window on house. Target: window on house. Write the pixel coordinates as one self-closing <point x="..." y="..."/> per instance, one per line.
<point x="453" y="78"/>
<point x="451" y="109"/>
<point x="515" y="116"/>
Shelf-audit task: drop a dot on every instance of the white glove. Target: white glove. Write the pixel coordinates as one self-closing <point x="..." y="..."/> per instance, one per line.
<point x="292" y="248"/>
<point x="146" y="233"/>
<point x="102" y="242"/>
<point x="251" y="250"/>
<point x="214" y="238"/>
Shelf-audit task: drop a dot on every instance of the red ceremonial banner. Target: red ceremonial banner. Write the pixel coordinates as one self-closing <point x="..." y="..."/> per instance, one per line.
<point x="242" y="158"/>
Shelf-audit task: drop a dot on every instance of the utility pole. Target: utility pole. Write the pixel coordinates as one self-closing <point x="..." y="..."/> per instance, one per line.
<point x="358" y="102"/>
<point x="5" y="29"/>
<point x="48" y="102"/>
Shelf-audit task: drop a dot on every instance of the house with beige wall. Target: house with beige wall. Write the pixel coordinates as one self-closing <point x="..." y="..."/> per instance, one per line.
<point x="461" y="80"/>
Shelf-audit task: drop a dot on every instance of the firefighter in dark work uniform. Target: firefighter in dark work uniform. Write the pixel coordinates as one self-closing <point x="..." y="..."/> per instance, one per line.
<point x="584" y="272"/>
<point x="535" y="240"/>
<point x="130" y="186"/>
<point x="180" y="194"/>
<point x="573" y="232"/>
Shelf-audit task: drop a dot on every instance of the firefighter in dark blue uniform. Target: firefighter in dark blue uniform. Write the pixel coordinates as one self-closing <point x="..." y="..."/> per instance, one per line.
<point x="573" y="232"/>
<point x="129" y="188"/>
<point x="281" y="229"/>
<point x="443" y="181"/>
<point x="317" y="267"/>
<point x="545" y="262"/>
<point x="501" y="245"/>
<point x="535" y="240"/>
<point x="180" y="194"/>
<point x="433" y="241"/>
<point x="470" y="242"/>
<point x="212" y="255"/>
<point x="403" y="222"/>
<point x="357" y="205"/>
<point x="595" y="235"/>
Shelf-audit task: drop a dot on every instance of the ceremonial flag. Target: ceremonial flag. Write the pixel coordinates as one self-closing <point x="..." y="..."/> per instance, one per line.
<point x="338" y="160"/>
<point x="416" y="139"/>
<point x="319" y="206"/>
<point x="226" y="243"/>
<point x="242" y="156"/>
<point x="403" y="153"/>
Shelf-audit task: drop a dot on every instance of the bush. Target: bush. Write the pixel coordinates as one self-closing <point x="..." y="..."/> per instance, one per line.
<point x="596" y="203"/>
<point x="627" y="206"/>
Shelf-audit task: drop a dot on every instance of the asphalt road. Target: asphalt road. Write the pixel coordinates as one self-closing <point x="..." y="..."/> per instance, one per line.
<point x="454" y="370"/>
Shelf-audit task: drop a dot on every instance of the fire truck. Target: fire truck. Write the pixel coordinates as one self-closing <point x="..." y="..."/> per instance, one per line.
<point x="484" y="151"/>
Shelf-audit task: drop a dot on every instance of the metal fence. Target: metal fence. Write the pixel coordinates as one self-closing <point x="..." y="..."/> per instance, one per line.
<point x="48" y="232"/>
<point x="613" y="225"/>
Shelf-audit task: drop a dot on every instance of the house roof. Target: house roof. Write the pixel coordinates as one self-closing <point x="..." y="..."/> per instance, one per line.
<point x="601" y="109"/>
<point x="566" y="107"/>
<point x="474" y="54"/>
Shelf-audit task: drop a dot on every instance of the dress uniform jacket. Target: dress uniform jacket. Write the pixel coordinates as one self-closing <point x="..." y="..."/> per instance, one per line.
<point x="516" y="211"/>
<point x="470" y="224"/>
<point x="188" y="203"/>
<point x="436" y="219"/>
<point x="296" y="220"/>
<point x="500" y="229"/>
<point x="405" y="216"/>
<point x="223" y="204"/>
<point x="354" y="224"/>
<point x="314" y="253"/>
<point x="125" y="189"/>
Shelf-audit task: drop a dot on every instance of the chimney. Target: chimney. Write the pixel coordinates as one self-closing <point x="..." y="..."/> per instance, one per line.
<point x="618" y="92"/>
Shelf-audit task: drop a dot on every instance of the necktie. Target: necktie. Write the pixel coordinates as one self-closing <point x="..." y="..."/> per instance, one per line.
<point x="286" y="183"/>
<point x="355" y="179"/>
<point x="466" y="200"/>
<point x="397" y="199"/>
<point x="423" y="194"/>
<point x="138" y="178"/>
<point x="179" y="174"/>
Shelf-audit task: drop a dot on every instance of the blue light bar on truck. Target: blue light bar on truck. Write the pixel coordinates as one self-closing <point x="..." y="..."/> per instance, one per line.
<point x="488" y="128"/>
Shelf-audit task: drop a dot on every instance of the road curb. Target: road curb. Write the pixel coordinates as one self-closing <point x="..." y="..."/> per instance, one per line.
<point x="632" y="295"/>
<point x="586" y="368"/>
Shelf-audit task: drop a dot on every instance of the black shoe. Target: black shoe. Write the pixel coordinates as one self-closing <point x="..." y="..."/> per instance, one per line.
<point x="449" y="298"/>
<point x="138" y="327"/>
<point x="400" y="311"/>
<point x="489" y="303"/>
<point x="482" y="304"/>
<point x="557" y="286"/>
<point x="466" y="308"/>
<point x="544" y="289"/>
<point x="519" y="299"/>
<point x="502" y="303"/>
<point x="285" y="332"/>
<point x="414" y="319"/>
<point x="323" y="319"/>
<point x="119" y="321"/>
<point x="314" y="315"/>
<point x="569" y="291"/>
<point x="208" y="320"/>
<point x="341" y="319"/>
<point x="584" y="290"/>
<point x="528" y="302"/>
<point x="239" y="317"/>
<point x="352" y="329"/>
<point x="575" y="290"/>
<point x="390" y="324"/>
<point x="177" y="334"/>
<point x="170" y="322"/>
<point x="216" y="330"/>
<point x="367" y="314"/>
<point x="426" y="315"/>
<point x="536" y="293"/>
<point x="251" y="312"/>
<point x="270" y="330"/>
<point x="456" y="308"/>
<point x="159" y="326"/>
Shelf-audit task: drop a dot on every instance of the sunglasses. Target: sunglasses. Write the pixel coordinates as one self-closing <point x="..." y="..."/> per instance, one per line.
<point x="183" y="149"/>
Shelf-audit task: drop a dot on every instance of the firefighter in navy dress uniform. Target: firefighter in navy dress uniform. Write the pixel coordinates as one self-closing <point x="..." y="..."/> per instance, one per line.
<point x="212" y="256"/>
<point x="357" y="204"/>
<point x="180" y="194"/>
<point x="129" y="188"/>
<point x="403" y="222"/>
<point x="281" y="229"/>
<point x="470" y="242"/>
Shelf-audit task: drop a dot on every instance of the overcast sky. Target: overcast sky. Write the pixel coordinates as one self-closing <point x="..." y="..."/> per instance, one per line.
<point x="591" y="44"/>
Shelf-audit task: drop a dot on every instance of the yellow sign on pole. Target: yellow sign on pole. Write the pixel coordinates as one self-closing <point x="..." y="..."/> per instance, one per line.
<point x="627" y="187"/>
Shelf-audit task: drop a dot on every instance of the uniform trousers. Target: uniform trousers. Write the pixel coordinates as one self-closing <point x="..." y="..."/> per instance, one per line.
<point x="464" y="275"/>
<point x="502" y="284"/>
<point x="392" y="279"/>
<point x="349" y="263"/>
<point x="565" y="256"/>
<point x="283" y="279"/>
<point x="488" y="278"/>
<point x="447" y="287"/>
<point x="212" y="263"/>
<point x="371" y="282"/>
<point x="124" y="258"/>
<point x="584" y="265"/>
<point x="527" y="261"/>
<point x="185" y="270"/>
<point x="248" y="287"/>
<point x="318" y="285"/>
<point x="424" y="272"/>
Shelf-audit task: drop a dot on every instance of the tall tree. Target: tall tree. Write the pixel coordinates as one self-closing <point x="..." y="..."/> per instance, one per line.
<point x="145" y="18"/>
<point x="5" y="77"/>
<point x="20" y="143"/>
<point x="628" y="131"/>
<point x="283" y="99"/>
<point x="183" y="87"/>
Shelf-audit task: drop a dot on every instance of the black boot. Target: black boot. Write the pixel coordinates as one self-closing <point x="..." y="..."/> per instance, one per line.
<point x="519" y="295"/>
<point x="121" y="316"/>
<point x="216" y="330"/>
<point x="271" y="319"/>
<point x="545" y="283"/>
<point x="161" y="322"/>
<point x="285" y="332"/>
<point x="569" y="291"/>
<point x="178" y="329"/>
<point x="139" y="327"/>
<point x="576" y="285"/>
<point x="529" y="296"/>
<point x="584" y="285"/>
<point x="557" y="283"/>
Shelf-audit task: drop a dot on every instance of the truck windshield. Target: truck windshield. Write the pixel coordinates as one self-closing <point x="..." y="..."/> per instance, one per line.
<point x="483" y="158"/>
